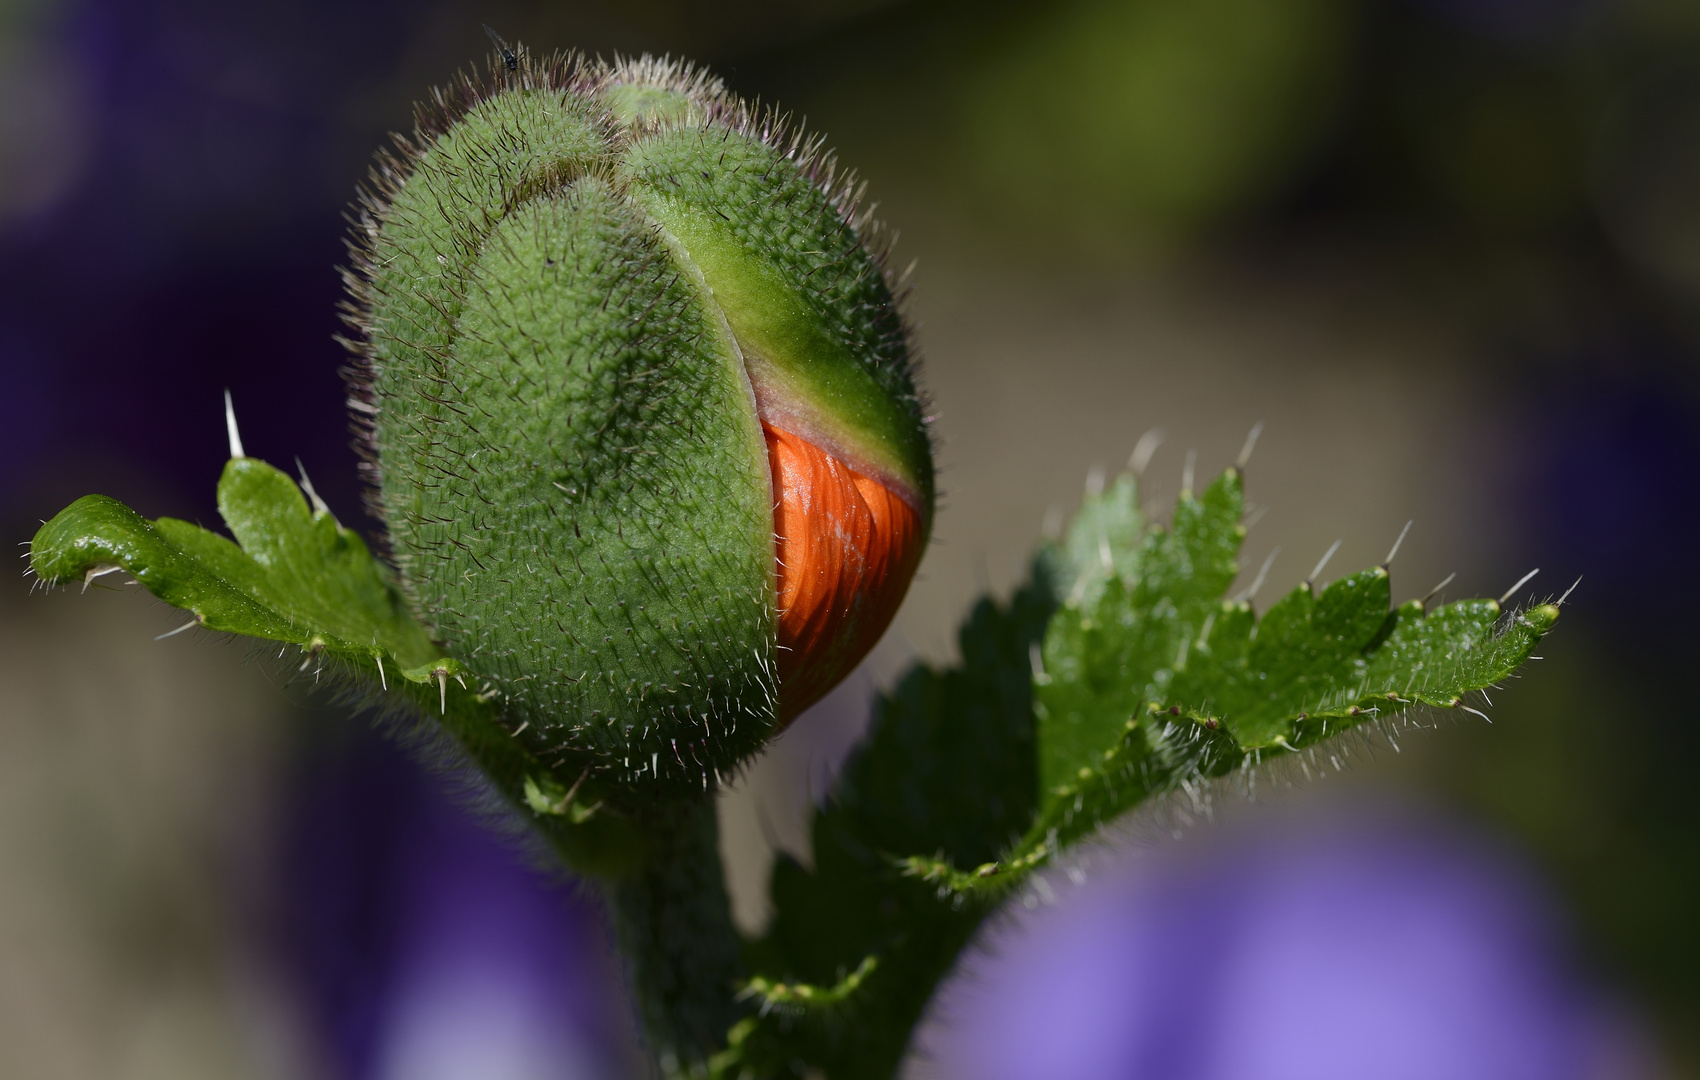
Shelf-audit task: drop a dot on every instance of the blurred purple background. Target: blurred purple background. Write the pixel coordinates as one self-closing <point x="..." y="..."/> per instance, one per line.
<point x="1449" y="250"/>
<point x="1391" y="945"/>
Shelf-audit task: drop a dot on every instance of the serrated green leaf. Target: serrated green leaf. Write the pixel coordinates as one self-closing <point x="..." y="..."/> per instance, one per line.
<point x="295" y="575"/>
<point x="1102" y="542"/>
<point x="1161" y="683"/>
<point x="1147" y="681"/>
<point x="947" y="768"/>
<point x="1103" y="656"/>
<point x="795" y="998"/>
<point x="1305" y="653"/>
<point x="292" y="575"/>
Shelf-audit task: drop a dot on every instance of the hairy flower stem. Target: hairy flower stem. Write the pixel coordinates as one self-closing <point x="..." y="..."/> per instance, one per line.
<point x="674" y="924"/>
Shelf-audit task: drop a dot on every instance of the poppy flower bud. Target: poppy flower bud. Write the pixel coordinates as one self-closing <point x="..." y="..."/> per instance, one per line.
<point x="639" y="409"/>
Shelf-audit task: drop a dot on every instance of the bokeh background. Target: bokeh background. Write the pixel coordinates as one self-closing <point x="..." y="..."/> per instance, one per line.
<point x="1447" y="251"/>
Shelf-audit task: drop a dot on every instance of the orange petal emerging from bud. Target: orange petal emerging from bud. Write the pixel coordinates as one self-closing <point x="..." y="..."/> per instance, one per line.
<point x="847" y="547"/>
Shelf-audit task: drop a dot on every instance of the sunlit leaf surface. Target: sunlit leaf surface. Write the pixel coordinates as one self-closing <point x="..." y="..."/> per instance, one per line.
<point x="1122" y="673"/>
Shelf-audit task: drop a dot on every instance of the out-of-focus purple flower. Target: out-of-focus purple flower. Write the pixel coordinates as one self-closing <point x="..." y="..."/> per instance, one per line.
<point x="498" y="975"/>
<point x="1379" y="949"/>
<point x="424" y="945"/>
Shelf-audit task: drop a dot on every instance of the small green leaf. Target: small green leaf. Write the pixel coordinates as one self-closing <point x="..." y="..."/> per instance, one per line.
<point x="293" y="575"/>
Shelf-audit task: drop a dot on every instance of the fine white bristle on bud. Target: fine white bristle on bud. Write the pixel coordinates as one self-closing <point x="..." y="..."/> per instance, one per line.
<point x="1432" y="593"/>
<point x="230" y="427"/>
<point x="1522" y="581"/>
<point x="1257" y="582"/>
<point x="1395" y="550"/>
<point x="1143" y="449"/>
<point x="1568" y="591"/>
<point x="319" y="506"/>
<point x="1326" y="555"/>
<point x="1250" y="445"/>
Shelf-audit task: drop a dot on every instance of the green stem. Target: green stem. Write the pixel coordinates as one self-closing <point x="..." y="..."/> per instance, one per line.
<point x="674" y="924"/>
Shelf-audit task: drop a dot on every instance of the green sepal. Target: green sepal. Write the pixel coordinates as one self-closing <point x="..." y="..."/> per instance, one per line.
<point x="808" y="304"/>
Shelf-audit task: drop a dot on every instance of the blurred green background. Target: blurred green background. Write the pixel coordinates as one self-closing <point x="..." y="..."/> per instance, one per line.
<point x="1447" y="251"/>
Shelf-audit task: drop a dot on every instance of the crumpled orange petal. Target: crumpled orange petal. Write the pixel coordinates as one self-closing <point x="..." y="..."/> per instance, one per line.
<point x="847" y="547"/>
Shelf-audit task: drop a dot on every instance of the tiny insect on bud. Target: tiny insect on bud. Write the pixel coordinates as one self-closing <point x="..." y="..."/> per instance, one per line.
<point x="639" y="407"/>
